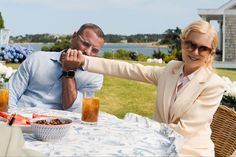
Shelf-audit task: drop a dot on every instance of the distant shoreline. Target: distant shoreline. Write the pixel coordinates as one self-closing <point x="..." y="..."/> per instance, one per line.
<point x="149" y="45"/>
<point x="156" y="45"/>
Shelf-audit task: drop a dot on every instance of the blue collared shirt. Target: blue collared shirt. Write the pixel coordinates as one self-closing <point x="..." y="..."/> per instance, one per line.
<point x="38" y="83"/>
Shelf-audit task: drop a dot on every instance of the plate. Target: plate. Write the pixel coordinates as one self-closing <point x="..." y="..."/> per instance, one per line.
<point x="25" y="128"/>
<point x="3" y="120"/>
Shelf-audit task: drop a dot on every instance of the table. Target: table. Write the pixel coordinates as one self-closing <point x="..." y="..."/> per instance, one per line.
<point x="111" y="136"/>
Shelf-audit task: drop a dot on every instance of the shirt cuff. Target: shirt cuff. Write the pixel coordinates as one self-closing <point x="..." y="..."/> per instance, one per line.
<point x="85" y="66"/>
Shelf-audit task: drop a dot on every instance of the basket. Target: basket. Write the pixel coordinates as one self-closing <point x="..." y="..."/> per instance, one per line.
<point x="224" y="131"/>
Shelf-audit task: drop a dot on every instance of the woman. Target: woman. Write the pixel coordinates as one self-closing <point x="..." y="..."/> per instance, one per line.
<point x="12" y="143"/>
<point x="188" y="91"/>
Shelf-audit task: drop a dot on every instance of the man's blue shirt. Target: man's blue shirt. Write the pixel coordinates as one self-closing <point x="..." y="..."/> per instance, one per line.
<point x="38" y="82"/>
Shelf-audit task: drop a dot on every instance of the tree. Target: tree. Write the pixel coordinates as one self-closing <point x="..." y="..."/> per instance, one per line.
<point x="1" y="22"/>
<point x="171" y="37"/>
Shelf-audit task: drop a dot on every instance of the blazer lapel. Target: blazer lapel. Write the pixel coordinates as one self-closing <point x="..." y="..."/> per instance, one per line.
<point x="169" y="90"/>
<point x="189" y="95"/>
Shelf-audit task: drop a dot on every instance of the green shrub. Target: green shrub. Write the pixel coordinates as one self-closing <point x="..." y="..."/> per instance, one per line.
<point x="169" y="58"/>
<point x="133" y="56"/>
<point x="142" y="57"/>
<point x="177" y="54"/>
<point x="174" y="55"/>
<point x="45" y="48"/>
<point x="58" y="46"/>
<point x="108" y="55"/>
<point x="158" y="54"/>
<point x="122" y="54"/>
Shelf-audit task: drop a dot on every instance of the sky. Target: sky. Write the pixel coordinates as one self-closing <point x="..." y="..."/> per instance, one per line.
<point x="123" y="17"/>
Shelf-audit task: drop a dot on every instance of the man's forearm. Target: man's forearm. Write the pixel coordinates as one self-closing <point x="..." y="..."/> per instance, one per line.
<point x="70" y="62"/>
<point x="69" y="92"/>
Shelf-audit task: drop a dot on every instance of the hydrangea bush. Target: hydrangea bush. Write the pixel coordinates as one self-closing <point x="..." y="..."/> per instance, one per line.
<point x="229" y="97"/>
<point x="14" y="53"/>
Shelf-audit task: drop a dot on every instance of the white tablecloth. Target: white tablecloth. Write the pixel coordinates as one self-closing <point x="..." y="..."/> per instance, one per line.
<point x="111" y="136"/>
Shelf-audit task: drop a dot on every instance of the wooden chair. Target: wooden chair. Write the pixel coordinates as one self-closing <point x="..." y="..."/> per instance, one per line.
<point x="224" y="131"/>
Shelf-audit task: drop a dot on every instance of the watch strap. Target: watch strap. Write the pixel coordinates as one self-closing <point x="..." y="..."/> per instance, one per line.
<point x="69" y="73"/>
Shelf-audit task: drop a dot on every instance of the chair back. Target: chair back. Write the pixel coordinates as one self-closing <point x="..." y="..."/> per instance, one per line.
<point x="224" y="131"/>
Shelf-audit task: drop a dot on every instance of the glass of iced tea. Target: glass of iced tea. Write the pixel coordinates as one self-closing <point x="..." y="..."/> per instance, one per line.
<point x="90" y="107"/>
<point x="3" y="97"/>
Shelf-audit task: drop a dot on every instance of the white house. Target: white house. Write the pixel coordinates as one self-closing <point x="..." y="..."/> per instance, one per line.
<point x="225" y="15"/>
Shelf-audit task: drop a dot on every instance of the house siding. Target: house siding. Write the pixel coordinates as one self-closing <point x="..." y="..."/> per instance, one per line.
<point x="230" y="38"/>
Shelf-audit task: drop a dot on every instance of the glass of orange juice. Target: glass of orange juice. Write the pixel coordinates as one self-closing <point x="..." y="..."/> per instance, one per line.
<point x="90" y="107"/>
<point x="3" y="97"/>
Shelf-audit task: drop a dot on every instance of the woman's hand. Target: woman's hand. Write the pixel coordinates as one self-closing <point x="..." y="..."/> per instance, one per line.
<point x="72" y="59"/>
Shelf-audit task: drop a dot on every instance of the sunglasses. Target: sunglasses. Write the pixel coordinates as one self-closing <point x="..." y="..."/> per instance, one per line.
<point x="87" y="44"/>
<point x="190" y="46"/>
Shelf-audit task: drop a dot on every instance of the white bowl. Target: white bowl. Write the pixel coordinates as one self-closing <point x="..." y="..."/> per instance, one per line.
<point x="50" y="132"/>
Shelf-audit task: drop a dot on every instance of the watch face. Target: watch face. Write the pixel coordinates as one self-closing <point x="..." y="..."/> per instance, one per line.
<point x="71" y="73"/>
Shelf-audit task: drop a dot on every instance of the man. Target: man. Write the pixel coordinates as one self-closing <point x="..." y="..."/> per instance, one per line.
<point x="46" y="79"/>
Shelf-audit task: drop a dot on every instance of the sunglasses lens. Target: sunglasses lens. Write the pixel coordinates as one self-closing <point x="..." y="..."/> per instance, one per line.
<point x="86" y="44"/>
<point x="204" y="48"/>
<point x="189" y="45"/>
<point x="95" y="50"/>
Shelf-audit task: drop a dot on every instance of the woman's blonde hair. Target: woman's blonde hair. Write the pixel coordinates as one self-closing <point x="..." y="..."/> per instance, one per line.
<point x="203" y="27"/>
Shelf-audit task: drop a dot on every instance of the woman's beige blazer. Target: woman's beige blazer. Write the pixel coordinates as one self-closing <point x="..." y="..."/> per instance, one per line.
<point x="192" y="112"/>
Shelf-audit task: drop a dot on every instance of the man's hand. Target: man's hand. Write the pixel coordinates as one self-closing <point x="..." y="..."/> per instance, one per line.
<point x="72" y="59"/>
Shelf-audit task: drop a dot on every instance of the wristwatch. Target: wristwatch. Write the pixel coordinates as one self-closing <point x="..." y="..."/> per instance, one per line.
<point x="69" y="73"/>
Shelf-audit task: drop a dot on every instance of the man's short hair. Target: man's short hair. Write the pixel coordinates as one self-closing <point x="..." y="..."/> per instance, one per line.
<point x="94" y="27"/>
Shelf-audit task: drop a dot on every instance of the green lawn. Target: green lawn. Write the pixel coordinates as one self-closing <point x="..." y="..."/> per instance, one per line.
<point x="227" y="72"/>
<point x="119" y="96"/>
<point x="13" y="65"/>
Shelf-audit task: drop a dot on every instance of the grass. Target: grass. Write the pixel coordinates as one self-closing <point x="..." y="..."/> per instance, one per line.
<point x="227" y="72"/>
<point x="13" y="65"/>
<point x="120" y="96"/>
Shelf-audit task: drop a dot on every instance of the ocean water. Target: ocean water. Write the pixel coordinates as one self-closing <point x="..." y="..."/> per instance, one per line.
<point x="109" y="47"/>
<point x="35" y="46"/>
<point x="139" y="48"/>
